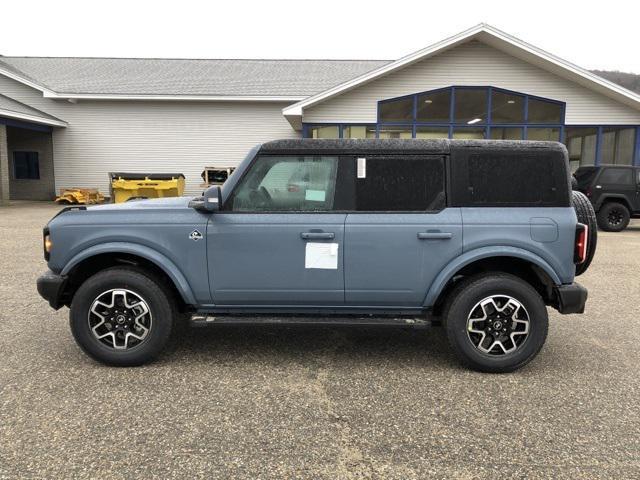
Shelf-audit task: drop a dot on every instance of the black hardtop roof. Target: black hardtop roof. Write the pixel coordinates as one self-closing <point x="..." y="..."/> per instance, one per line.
<point x="440" y="146"/>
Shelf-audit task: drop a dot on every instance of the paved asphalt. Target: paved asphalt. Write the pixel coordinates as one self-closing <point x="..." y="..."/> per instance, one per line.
<point x="318" y="403"/>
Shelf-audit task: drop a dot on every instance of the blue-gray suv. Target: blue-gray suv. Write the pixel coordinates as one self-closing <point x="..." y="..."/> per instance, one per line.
<point x="480" y="236"/>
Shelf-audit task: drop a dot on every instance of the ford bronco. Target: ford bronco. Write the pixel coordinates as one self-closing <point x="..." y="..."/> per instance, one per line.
<point x="614" y="191"/>
<point x="480" y="236"/>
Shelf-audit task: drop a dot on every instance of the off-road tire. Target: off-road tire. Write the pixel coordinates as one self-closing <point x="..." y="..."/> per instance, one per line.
<point x="460" y="304"/>
<point x="587" y="216"/>
<point x="154" y="293"/>
<point x="610" y="209"/>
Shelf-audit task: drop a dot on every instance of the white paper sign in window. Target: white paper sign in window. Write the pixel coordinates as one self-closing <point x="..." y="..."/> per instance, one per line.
<point x="362" y="168"/>
<point x="321" y="255"/>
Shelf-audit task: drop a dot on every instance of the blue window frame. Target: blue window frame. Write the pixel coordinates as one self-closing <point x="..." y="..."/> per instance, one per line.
<point x="491" y="112"/>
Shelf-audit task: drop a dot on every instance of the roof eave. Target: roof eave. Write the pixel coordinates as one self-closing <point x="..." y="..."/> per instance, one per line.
<point x="32" y="118"/>
<point x="293" y="113"/>
<point x="201" y="98"/>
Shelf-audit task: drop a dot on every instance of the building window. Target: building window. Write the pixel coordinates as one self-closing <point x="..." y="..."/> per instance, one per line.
<point x="432" y="132"/>
<point x="544" y="133"/>
<point x="581" y="143"/>
<point x="617" y="145"/>
<point x="476" y="112"/>
<point x="26" y="166"/>
<point x="434" y="107"/>
<point x="507" y="107"/>
<point x="329" y="131"/>
<point x="544" y="111"/>
<point x="400" y="110"/>
<point x="359" y="131"/>
<point x="506" y="133"/>
<point x="470" y="105"/>
<point x="469" y="133"/>
<point x="395" y="132"/>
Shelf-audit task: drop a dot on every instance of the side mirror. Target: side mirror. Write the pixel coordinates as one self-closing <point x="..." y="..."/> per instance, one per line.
<point x="209" y="202"/>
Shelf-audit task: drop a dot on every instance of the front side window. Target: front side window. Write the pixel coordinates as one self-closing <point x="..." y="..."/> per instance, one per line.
<point x="287" y="183"/>
<point x="410" y="184"/>
<point x="26" y="166"/>
<point x="616" y="176"/>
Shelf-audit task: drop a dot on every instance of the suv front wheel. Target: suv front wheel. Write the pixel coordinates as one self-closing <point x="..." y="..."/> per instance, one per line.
<point x="121" y="317"/>
<point x="495" y="322"/>
<point x="613" y="217"/>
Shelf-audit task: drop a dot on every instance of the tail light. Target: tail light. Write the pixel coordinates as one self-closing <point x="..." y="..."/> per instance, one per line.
<point x="588" y="192"/>
<point x="580" y="249"/>
<point x="47" y="244"/>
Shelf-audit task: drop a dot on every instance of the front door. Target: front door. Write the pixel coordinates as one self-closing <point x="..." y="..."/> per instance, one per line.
<point x="277" y="241"/>
<point x="618" y="181"/>
<point x="401" y="234"/>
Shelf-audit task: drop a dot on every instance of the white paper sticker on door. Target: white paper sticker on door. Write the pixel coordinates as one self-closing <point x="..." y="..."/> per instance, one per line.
<point x="321" y="255"/>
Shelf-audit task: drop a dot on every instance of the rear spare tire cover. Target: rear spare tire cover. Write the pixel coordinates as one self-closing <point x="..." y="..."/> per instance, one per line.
<point x="587" y="216"/>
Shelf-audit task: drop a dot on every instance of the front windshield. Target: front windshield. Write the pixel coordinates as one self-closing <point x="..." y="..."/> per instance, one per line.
<point x="227" y="186"/>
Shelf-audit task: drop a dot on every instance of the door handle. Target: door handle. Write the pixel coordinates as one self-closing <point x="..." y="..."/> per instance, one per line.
<point x="317" y="235"/>
<point x="435" y="235"/>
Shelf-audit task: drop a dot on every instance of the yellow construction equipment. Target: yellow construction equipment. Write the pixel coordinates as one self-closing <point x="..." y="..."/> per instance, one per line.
<point x="79" y="196"/>
<point x="133" y="186"/>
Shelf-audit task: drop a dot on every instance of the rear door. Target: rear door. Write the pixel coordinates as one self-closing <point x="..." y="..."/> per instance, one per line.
<point x="277" y="240"/>
<point x="398" y="233"/>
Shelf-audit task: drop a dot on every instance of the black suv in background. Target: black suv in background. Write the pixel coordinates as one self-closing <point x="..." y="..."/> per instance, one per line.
<point x="614" y="191"/>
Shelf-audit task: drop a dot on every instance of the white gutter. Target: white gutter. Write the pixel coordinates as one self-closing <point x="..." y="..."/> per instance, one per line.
<point x="32" y="118"/>
<point x="202" y="98"/>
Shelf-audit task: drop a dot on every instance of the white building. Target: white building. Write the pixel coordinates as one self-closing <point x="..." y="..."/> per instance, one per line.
<point x="69" y="121"/>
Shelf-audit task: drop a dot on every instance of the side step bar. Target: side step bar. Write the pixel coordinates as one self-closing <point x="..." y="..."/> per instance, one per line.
<point x="201" y="320"/>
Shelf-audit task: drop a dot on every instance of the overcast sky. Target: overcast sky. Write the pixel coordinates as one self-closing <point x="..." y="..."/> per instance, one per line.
<point x="602" y="34"/>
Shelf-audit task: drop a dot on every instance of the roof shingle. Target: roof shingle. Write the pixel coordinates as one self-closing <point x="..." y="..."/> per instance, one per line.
<point x="139" y="76"/>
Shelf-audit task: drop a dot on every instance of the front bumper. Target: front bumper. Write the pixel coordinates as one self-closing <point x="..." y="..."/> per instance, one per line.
<point x="51" y="288"/>
<point x="570" y="298"/>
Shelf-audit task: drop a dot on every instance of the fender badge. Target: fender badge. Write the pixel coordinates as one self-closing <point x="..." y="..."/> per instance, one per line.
<point x="195" y="235"/>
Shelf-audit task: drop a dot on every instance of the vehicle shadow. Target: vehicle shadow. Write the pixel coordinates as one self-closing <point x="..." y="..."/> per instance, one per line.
<point x="273" y="344"/>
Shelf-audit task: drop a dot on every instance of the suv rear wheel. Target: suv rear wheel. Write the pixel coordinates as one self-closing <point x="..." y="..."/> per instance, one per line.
<point x="121" y="317"/>
<point x="495" y="322"/>
<point x="613" y="217"/>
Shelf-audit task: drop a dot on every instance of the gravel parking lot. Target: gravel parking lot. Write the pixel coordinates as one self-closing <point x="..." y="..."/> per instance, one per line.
<point x="276" y="402"/>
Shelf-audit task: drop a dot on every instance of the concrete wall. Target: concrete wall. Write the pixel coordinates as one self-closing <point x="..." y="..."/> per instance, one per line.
<point x="473" y="63"/>
<point x="161" y="136"/>
<point x="19" y="139"/>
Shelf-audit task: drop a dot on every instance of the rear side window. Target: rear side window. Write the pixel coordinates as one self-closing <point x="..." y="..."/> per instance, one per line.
<point x="395" y="183"/>
<point x="585" y="175"/>
<point x="510" y="178"/>
<point x="616" y="176"/>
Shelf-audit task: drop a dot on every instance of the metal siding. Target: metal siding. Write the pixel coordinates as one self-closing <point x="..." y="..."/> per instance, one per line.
<point x="474" y="64"/>
<point x="151" y="136"/>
